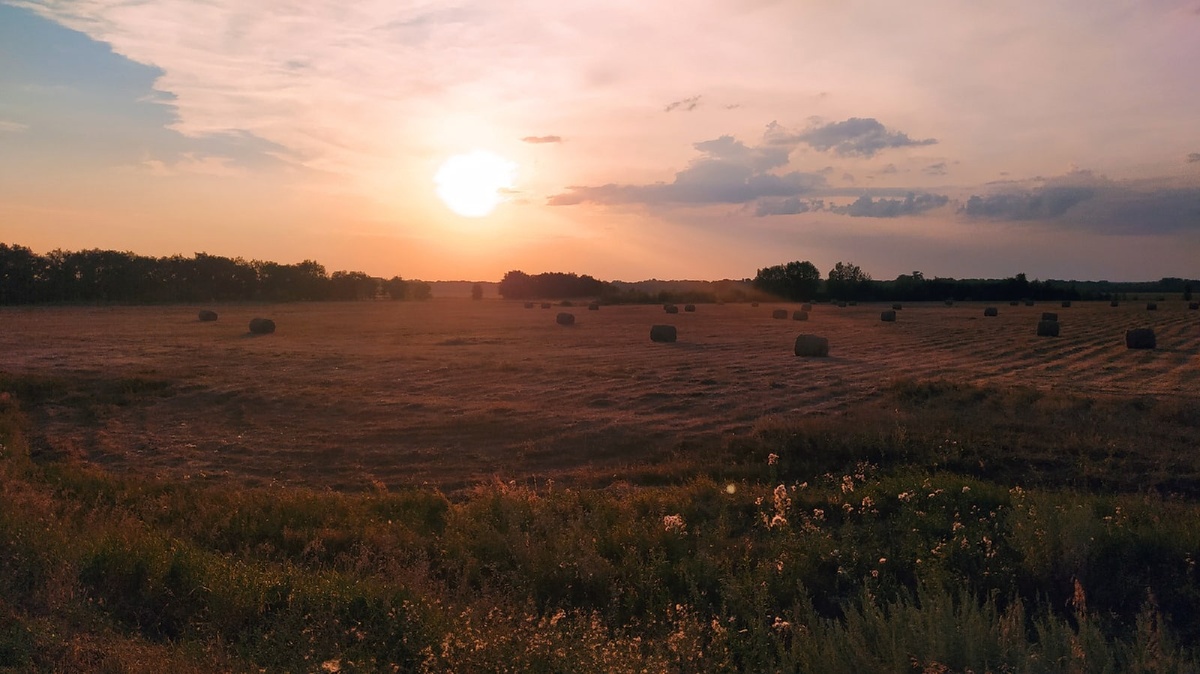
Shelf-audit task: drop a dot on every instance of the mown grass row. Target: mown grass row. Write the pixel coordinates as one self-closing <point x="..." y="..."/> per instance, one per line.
<point x="850" y="560"/>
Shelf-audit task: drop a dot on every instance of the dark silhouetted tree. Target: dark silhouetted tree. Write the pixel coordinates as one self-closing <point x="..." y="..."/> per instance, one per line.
<point x="794" y="281"/>
<point x="477" y="291"/>
<point x="847" y="281"/>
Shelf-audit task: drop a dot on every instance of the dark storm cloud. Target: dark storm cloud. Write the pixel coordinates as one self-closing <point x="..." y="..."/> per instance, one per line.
<point x="542" y="139"/>
<point x="855" y="137"/>
<point x="912" y="204"/>
<point x="684" y="105"/>
<point x="727" y="172"/>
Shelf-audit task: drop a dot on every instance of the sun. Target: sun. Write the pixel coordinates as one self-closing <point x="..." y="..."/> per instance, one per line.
<point x="471" y="184"/>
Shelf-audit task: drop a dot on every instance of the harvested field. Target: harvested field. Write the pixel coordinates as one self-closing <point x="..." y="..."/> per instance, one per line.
<point x="451" y="392"/>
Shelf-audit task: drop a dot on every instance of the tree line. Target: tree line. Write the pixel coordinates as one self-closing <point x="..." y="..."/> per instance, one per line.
<point x="801" y="281"/>
<point x="107" y="276"/>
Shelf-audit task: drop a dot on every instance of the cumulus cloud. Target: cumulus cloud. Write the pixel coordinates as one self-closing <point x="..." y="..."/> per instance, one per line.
<point x="727" y="172"/>
<point x="855" y="137"/>
<point x="912" y="204"/>
<point x="542" y="139"/>
<point x="1084" y="200"/>
<point x="788" y="206"/>
<point x="684" y="105"/>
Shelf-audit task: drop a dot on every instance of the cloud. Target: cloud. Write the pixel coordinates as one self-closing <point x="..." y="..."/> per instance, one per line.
<point x="684" y="105"/>
<point x="912" y="204"/>
<point x="12" y="127"/>
<point x="1083" y="200"/>
<point x="542" y="139"/>
<point x="1193" y="157"/>
<point x="938" y="169"/>
<point x="1043" y="204"/>
<point x="788" y="206"/>
<point x="855" y="137"/>
<point x="727" y="172"/>
<point x="188" y="162"/>
<point x="890" y="168"/>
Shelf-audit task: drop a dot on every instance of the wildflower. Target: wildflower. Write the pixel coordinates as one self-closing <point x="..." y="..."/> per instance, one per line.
<point x="674" y="523"/>
<point x="905" y="496"/>
<point x="781" y="625"/>
<point x="772" y="459"/>
<point x="557" y="617"/>
<point x="730" y="488"/>
<point x="867" y="502"/>
<point x="847" y="484"/>
<point x="883" y="560"/>
<point x="966" y="489"/>
<point x="818" y="514"/>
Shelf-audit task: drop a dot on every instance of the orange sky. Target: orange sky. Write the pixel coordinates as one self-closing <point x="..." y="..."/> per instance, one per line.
<point x="1055" y="139"/>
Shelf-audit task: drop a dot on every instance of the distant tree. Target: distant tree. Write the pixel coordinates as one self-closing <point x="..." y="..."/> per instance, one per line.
<point x="794" y="281"/>
<point x="351" y="285"/>
<point x="21" y="273"/>
<point x="477" y="291"/>
<point x="396" y="288"/>
<point x="1187" y="292"/>
<point x="419" y="290"/>
<point x="847" y="281"/>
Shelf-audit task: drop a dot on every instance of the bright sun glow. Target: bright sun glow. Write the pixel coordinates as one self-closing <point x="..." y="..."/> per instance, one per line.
<point x="471" y="184"/>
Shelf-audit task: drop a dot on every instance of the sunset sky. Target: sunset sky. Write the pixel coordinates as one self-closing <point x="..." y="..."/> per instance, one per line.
<point x="697" y="140"/>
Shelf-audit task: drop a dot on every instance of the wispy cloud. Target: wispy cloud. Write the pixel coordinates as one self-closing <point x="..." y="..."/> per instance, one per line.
<point x="854" y="137"/>
<point x="191" y="163"/>
<point x="683" y="105"/>
<point x="1193" y="157"/>
<point x="727" y="172"/>
<point x="12" y="127"/>
<point x="542" y="139"/>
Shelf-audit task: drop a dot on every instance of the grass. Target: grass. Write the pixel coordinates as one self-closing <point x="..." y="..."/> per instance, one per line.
<point x="902" y="536"/>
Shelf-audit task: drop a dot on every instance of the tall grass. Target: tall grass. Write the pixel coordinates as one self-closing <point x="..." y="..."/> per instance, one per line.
<point x="866" y="560"/>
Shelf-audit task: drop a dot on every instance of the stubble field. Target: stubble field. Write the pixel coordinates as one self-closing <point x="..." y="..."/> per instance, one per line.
<point x="450" y="393"/>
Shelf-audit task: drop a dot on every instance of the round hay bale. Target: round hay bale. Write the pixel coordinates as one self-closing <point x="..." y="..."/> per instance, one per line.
<point x="663" y="333"/>
<point x="564" y="318"/>
<point x="799" y="315"/>
<point x="779" y="313"/>
<point x="1047" y="329"/>
<point x="206" y="315"/>
<point x="545" y="305"/>
<point x="1151" y="306"/>
<point x="1140" y="338"/>
<point x="812" y="346"/>
<point x="806" y="307"/>
<point x="888" y="316"/>
<point x="897" y="307"/>
<point x="1193" y="305"/>
<point x="1114" y="303"/>
<point x="1013" y="303"/>
<point x="1049" y="316"/>
<point x="262" y="326"/>
<point x="593" y="306"/>
<point x="991" y="311"/>
<point x="690" y="308"/>
<point x="1066" y="304"/>
<point x="529" y="305"/>
<point x="671" y="309"/>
